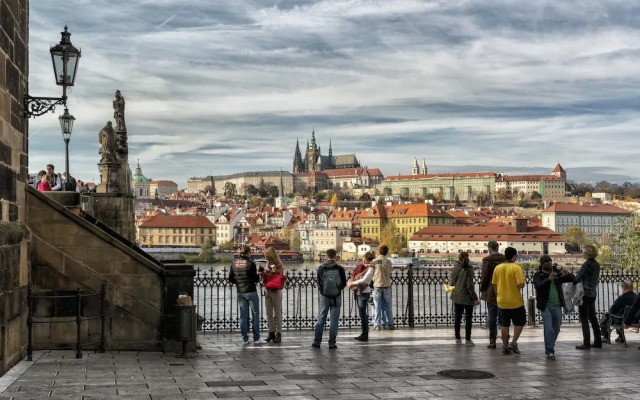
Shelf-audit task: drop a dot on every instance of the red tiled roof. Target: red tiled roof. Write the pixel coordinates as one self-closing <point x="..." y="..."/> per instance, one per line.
<point x="407" y="211"/>
<point x="587" y="208"/>
<point x="177" y="221"/>
<point x="558" y="168"/>
<point x="485" y="233"/>
<point x="461" y="175"/>
<point x="342" y="215"/>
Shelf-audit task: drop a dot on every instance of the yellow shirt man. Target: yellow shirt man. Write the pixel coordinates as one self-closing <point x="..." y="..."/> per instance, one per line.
<point x="508" y="279"/>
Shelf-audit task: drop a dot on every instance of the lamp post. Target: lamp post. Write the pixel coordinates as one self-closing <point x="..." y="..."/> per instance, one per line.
<point x="64" y="57"/>
<point x="66" y="125"/>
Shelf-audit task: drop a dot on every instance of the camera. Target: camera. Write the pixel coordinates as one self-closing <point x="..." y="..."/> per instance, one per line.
<point x="261" y="269"/>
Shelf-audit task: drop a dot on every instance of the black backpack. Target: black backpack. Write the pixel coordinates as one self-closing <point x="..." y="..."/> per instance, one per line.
<point x="331" y="285"/>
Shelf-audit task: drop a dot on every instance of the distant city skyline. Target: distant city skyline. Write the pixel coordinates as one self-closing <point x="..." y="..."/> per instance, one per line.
<point x="226" y="87"/>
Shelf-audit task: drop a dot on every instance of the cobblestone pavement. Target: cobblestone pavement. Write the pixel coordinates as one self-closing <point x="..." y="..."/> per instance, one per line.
<point x="392" y="365"/>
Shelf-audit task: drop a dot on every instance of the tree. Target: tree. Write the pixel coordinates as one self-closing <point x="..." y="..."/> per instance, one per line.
<point x="227" y="246"/>
<point x="274" y="191"/>
<point x="438" y="197"/>
<point x="387" y="191"/>
<point x="263" y="189"/>
<point x="535" y="195"/>
<point x="334" y="200"/>
<point x="207" y="255"/>
<point x="576" y="238"/>
<point x="457" y="200"/>
<point x="249" y="189"/>
<point x="587" y="195"/>
<point x="390" y="237"/>
<point x="229" y="189"/>
<point x="629" y="243"/>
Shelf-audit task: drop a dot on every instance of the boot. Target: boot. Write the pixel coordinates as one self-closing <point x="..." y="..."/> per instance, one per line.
<point x="277" y="338"/>
<point x="362" y="338"/>
<point x="272" y="336"/>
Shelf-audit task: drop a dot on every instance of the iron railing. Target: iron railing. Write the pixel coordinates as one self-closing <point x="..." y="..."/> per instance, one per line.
<point x="419" y="298"/>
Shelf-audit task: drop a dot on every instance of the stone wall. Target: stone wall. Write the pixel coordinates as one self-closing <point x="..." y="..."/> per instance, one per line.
<point x="14" y="264"/>
<point x="115" y="211"/>
<point x="68" y="252"/>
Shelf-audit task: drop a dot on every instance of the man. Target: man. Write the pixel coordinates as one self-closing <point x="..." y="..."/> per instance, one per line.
<point x="382" y="291"/>
<point x="331" y="281"/>
<point x="627" y="298"/>
<point x="487" y="290"/>
<point x="509" y="280"/>
<point x="54" y="179"/>
<point x="244" y="275"/>
<point x="550" y="300"/>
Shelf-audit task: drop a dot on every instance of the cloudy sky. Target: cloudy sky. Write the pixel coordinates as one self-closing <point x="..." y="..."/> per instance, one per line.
<point x="228" y="86"/>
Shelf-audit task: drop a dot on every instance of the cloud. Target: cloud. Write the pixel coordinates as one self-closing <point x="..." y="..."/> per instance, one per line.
<point x="229" y="86"/>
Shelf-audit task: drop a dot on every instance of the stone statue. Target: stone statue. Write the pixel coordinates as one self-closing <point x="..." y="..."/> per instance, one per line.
<point x="106" y="137"/>
<point x="118" y="112"/>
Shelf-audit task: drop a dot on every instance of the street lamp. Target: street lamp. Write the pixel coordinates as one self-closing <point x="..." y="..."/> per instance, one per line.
<point x="65" y="59"/>
<point x="66" y="125"/>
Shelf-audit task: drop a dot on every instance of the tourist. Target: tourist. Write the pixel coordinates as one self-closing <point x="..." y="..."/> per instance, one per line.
<point x="331" y="281"/>
<point x="244" y="275"/>
<point x="44" y="185"/>
<point x="274" y="280"/>
<point x="488" y="291"/>
<point x="550" y="300"/>
<point x="589" y="274"/>
<point x="80" y="188"/>
<point x="627" y="298"/>
<point x="509" y="280"/>
<point x="359" y="283"/>
<point x="464" y="297"/>
<point x="54" y="179"/>
<point x="382" y="291"/>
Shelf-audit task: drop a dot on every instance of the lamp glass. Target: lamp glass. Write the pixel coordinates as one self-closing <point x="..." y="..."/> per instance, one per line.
<point x="66" y="124"/>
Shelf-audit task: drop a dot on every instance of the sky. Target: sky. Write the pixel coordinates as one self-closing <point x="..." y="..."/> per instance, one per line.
<point x="219" y="87"/>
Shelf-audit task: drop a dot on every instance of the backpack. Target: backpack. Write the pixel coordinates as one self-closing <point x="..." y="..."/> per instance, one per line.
<point x="331" y="283"/>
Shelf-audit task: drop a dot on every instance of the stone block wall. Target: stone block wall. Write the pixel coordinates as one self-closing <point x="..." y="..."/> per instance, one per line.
<point x="14" y="263"/>
<point x="116" y="212"/>
<point x="68" y="252"/>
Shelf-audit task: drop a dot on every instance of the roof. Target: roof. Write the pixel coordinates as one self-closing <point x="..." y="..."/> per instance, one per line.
<point x="352" y="172"/>
<point x="558" y="168"/>
<point x="342" y="215"/>
<point x="344" y="159"/>
<point x="432" y="176"/>
<point x="586" y="208"/>
<point x="487" y="232"/>
<point x="164" y="182"/>
<point x="177" y="221"/>
<point x="530" y="178"/>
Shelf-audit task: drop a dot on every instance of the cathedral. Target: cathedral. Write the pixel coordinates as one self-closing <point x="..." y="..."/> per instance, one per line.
<point x="314" y="161"/>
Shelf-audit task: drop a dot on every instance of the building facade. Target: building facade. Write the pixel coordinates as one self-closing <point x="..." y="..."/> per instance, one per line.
<point x="243" y="179"/>
<point x="353" y="178"/>
<point x="204" y="184"/>
<point x="140" y="184"/>
<point x="593" y="219"/>
<point x="176" y="231"/>
<point x="162" y="189"/>
<point x="551" y="186"/>
<point x="467" y="186"/>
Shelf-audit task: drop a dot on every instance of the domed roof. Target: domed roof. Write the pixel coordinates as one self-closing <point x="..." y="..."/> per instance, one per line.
<point x="138" y="178"/>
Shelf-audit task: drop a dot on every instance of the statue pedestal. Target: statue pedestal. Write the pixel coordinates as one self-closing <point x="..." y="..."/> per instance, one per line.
<point x="110" y="178"/>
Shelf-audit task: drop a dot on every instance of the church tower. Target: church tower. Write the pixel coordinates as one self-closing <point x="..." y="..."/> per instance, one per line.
<point x="313" y="152"/>
<point x="414" y="170"/>
<point x="423" y="171"/>
<point x="281" y="201"/>
<point x="559" y="172"/>
<point x="330" y="151"/>
<point x="298" y="166"/>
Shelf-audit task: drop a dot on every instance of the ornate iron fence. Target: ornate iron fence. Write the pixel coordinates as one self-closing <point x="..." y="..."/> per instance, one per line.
<point x="419" y="298"/>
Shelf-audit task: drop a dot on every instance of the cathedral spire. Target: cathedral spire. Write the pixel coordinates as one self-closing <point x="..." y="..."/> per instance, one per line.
<point x="297" y="159"/>
<point x="313" y="138"/>
<point x="423" y="171"/>
<point x="330" y="151"/>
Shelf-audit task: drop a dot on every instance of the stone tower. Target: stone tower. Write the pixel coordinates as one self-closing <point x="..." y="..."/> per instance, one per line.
<point x="414" y="169"/>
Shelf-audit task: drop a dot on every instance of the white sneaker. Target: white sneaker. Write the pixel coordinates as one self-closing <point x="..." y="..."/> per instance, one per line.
<point x="259" y="341"/>
<point x="245" y="342"/>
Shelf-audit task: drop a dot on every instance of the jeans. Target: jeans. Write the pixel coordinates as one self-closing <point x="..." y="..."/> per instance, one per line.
<point x="492" y="321"/>
<point x="326" y="304"/>
<point x="273" y="308"/>
<point x="468" y="311"/>
<point x="587" y="313"/>
<point x="246" y="300"/>
<point x="551" y="321"/>
<point x="362" y="303"/>
<point x="382" y="304"/>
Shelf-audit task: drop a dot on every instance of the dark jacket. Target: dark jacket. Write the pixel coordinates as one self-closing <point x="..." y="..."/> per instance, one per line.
<point x="244" y="274"/>
<point x="487" y="290"/>
<point x="542" y="284"/>
<point x="625" y="299"/>
<point x="465" y="290"/>
<point x="632" y="317"/>
<point x="589" y="274"/>
<point x="332" y="264"/>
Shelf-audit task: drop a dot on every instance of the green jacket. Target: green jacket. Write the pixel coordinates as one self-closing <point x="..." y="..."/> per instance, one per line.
<point x="465" y="288"/>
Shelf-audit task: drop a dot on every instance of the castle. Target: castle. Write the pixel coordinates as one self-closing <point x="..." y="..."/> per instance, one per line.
<point x="314" y="161"/>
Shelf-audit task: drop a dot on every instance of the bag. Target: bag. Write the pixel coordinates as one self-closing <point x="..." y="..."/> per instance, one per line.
<point x="184" y="300"/>
<point x="331" y="283"/>
<point x="274" y="281"/>
<point x="355" y="278"/>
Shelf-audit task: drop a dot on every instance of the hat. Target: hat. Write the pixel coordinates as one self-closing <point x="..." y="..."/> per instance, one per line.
<point x="544" y="259"/>
<point x="492" y="244"/>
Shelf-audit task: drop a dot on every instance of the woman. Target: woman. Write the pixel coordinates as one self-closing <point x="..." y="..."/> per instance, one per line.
<point x="589" y="275"/>
<point x="274" y="283"/>
<point x="44" y="185"/>
<point x="464" y="296"/>
<point x="360" y="282"/>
